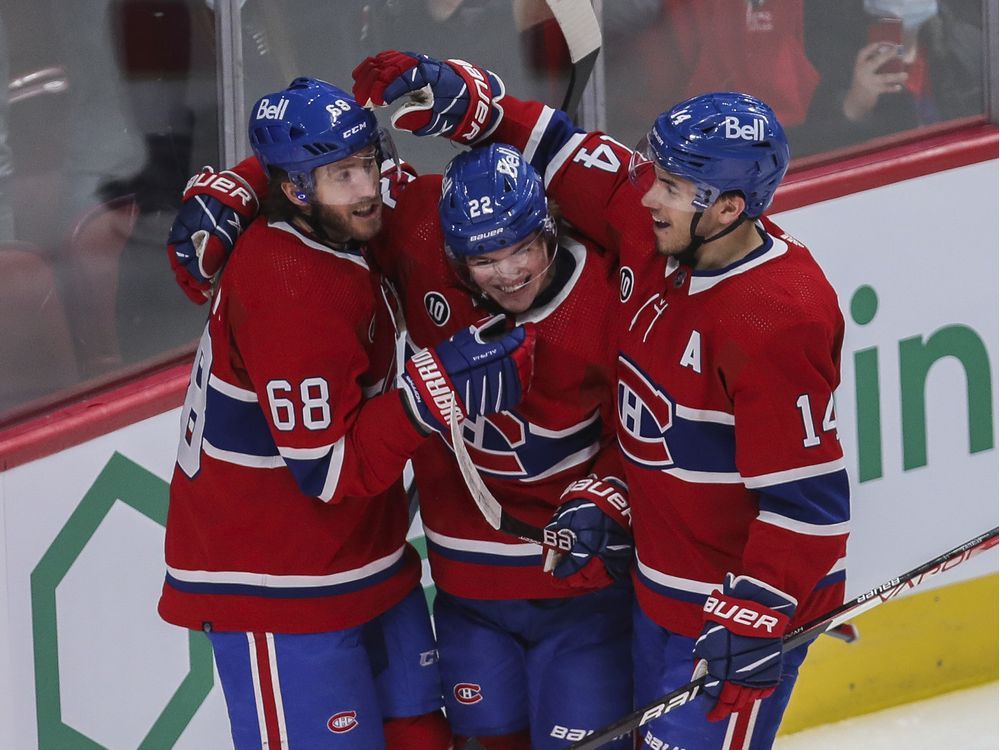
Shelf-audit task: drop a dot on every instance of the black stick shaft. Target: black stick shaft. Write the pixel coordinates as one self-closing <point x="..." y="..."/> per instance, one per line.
<point x="798" y="636"/>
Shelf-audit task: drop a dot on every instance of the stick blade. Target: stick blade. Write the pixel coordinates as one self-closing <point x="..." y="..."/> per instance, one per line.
<point x="579" y="25"/>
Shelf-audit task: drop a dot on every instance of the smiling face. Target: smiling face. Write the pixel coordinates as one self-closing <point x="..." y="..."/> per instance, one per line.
<point x="669" y="199"/>
<point x="513" y="276"/>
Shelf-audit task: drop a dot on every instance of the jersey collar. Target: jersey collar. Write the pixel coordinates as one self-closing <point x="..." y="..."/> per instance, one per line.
<point x="770" y="249"/>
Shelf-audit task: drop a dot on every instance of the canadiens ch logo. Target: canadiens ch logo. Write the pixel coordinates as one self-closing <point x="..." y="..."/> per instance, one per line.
<point x="468" y="693"/>
<point x="626" y="282"/>
<point x="644" y="416"/>
<point x="345" y="721"/>
<point x="437" y="308"/>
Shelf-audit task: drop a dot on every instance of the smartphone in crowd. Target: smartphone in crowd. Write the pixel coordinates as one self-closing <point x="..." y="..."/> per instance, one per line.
<point x="889" y="31"/>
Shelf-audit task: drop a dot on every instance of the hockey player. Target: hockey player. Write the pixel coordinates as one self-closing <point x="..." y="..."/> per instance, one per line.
<point x="529" y="660"/>
<point x="729" y="354"/>
<point x="286" y="530"/>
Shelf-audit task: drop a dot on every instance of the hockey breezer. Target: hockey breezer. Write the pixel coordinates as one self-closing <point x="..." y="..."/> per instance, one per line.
<point x="800" y="635"/>
<point x="491" y="508"/>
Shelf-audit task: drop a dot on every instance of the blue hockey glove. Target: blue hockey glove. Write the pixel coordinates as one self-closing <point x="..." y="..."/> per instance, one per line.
<point x="485" y="370"/>
<point x="598" y="515"/>
<point x="216" y="207"/>
<point x="740" y="643"/>
<point x="450" y="98"/>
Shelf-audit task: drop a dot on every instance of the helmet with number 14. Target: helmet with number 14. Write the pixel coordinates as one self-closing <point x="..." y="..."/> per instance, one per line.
<point x="705" y="148"/>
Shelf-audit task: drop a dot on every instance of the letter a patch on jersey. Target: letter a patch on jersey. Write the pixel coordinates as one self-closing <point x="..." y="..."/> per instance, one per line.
<point x="644" y="416"/>
<point x="692" y="353"/>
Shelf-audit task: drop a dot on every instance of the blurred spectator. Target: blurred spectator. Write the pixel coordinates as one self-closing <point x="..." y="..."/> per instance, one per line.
<point x="6" y="167"/>
<point x="661" y="53"/>
<point x="876" y="81"/>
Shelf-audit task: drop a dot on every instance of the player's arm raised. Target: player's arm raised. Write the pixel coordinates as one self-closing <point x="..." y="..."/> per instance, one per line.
<point x="215" y="209"/>
<point x="587" y="174"/>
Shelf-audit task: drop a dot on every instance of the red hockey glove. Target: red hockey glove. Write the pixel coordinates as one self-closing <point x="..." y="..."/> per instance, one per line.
<point x="451" y="98"/>
<point x="598" y="514"/>
<point x="740" y="643"/>
<point x="483" y="372"/>
<point x="215" y="208"/>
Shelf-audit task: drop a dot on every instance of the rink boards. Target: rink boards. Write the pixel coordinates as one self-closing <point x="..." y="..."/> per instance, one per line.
<point x="84" y="658"/>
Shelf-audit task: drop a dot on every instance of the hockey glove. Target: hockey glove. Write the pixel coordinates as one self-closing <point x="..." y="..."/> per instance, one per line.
<point x="216" y="207"/>
<point x="451" y="98"/>
<point x="484" y="369"/>
<point x="598" y="515"/>
<point x="740" y="643"/>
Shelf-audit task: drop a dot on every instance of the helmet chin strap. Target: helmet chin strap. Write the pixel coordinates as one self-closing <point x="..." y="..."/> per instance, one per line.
<point x="688" y="255"/>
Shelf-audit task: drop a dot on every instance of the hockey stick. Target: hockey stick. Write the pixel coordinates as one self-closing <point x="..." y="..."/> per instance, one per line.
<point x="798" y="636"/>
<point x="491" y="508"/>
<point x="578" y="23"/>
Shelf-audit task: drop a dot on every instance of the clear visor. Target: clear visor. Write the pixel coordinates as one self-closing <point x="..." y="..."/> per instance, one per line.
<point x="520" y="264"/>
<point x="355" y="180"/>
<point x="350" y="181"/>
<point x="668" y="189"/>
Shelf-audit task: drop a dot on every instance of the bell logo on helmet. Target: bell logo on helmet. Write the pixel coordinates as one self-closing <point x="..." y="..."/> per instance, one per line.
<point x="751" y="132"/>
<point x="508" y="163"/>
<point x="268" y="111"/>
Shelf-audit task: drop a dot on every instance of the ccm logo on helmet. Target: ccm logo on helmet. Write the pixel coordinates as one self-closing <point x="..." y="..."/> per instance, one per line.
<point x="356" y="129"/>
<point x="741" y="615"/>
<point x="268" y="111"/>
<point x="345" y="721"/>
<point x="468" y="693"/>
<point x="752" y="132"/>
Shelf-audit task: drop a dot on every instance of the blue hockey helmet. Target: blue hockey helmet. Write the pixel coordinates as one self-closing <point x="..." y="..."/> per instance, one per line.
<point x="491" y="198"/>
<point x="309" y="124"/>
<point x="721" y="142"/>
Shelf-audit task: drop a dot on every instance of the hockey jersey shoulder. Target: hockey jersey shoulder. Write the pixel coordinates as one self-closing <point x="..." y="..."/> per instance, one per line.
<point x="410" y="228"/>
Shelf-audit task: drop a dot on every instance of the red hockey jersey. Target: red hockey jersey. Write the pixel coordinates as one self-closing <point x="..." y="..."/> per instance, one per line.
<point x="725" y="386"/>
<point x="286" y="509"/>
<point x="562" y="430"/>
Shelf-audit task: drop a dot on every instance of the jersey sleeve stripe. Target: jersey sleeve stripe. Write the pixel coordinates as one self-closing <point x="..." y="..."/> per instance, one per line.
<point x="233" y="391"/>
<point x="316" y="470"/>
<point x="704" y="477"/>
<point x="800" y="527"/>
<point x="818" y="501"/>
<point x="675" y="583"/>
<point x="304" y="454"/>
<point x="538" y="132"/>
<point x="560" y="157"/>
<point x="792" y="475"/>
<point x="242" y="459"/>
<point x="333" y="471"/>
